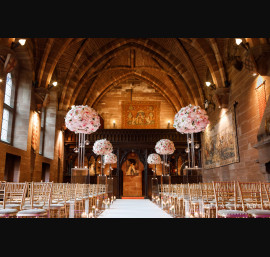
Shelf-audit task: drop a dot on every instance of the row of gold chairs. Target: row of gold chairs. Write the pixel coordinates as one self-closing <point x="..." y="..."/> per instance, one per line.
<point x="50" y="200"/>
<point x="229" y="199"/>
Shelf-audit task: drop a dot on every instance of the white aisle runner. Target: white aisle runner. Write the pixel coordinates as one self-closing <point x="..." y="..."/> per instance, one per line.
<point x="134" y="208"/>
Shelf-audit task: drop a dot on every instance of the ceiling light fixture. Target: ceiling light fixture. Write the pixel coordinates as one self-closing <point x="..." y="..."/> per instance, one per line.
<point x="209" y="84"/>
<point x="240" y="42"/>
<point x="20" y="42"/>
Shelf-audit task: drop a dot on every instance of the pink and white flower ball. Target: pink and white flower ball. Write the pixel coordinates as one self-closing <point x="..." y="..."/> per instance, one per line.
<point x="165" y="146"/>
<point x="110" y="158"/>
<point x="102" y="147"/>
<point x="82" y="119"/>
<point x="153" y="158"/>
<point x="191" y="119"/>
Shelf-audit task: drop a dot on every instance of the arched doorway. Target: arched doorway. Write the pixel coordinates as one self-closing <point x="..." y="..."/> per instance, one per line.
<point x="133" y="171"/>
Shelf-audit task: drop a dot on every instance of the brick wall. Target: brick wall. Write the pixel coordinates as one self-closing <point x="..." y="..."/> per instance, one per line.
<point x="248" y="121"/>
<point x="31" y="161"/>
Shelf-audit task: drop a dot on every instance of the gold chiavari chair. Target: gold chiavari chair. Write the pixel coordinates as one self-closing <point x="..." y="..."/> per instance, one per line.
<point x="177" y="200"/>
<point x="252" y="199"/>
<point x="13" y="195"/>
<point x="57" y="206"/>
<point x="266" y="195"/>
<point x="71" y="200"/>
<point x="101" y="195"/>
<point x="227" y="205"/>
<point x="195" y="200"/>
<point x="173" y="198"/>
<point x="40" y="200"/>
<point x="165" y="196"/>
<point x="2" y="192"/>
<point x="80" y="198"/>
<point x="183" y="196"/>
<point x="95" y="193"/>
<point x="208" y="200"/>
<point x="91" y="196"/>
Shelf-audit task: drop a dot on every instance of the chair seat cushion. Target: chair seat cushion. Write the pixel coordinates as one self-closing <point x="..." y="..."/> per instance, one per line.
<point x="57" y="201"/>
<point x="54" y="206"/>
<point x="259" y="213"/>
<point x="232" y="214"/>
<point x="8" y="211"/>
<point x="32" y="212"/>
<point x="28" y="206"/>
<point x="231" y="205"/>
<point x="196" y="201"/>
<point x="12" y="206"/>
<point x="209" y="206"/>
<point x="70" y="201"/>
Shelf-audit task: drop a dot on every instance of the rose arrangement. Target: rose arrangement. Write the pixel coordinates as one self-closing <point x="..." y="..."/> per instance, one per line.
<point x="110" y="158"/>
<point x="82" y="119"/>
<point x="165" y="146"/>
<point x="190" y="119"/>
<point x="153" y="159"/>
<point x="102" y="147"/>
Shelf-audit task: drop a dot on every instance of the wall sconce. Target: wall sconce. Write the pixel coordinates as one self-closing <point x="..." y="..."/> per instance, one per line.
<point x="234" y="55"/>
<point x="54" y="84"/>
<point x="20" y="42"/>
<point x="260" y="81"/>
<point x="169" y="123"/>
<point x="209" y="84"/>
<point x="239" y="41"/>
<point x="1" y="80"/>
<point x="113" y="123"/>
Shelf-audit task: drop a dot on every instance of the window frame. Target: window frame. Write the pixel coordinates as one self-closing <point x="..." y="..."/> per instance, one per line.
<point x="10" y="109"/>
<point x="42" y="130"/>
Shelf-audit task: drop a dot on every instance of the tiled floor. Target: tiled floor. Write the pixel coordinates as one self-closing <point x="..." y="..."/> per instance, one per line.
<point x="134" y="208"/>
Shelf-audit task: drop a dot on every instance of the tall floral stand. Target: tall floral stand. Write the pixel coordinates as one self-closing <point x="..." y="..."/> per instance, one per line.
<point x="110" y="159"/>
<point x="110" y="182"/>
<point x="154" y="185"/>
<point x="189" y="120"/>
<point x="79" y="174"/>
<point x="165" y="147"/>
<point x="102" y="187"/>
<point x="102" y="147"/>
<point x="82" y="120"/>
<point x="191" y="173"/>
<point x="154" y="159"/>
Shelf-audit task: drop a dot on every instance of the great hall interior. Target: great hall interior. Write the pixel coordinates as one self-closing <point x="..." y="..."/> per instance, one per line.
<point x="134" y="127"/>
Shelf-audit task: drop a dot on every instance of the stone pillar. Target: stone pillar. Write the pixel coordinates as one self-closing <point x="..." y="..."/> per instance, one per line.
<point x="51" y="112"/>
<point x="23" y="103"/>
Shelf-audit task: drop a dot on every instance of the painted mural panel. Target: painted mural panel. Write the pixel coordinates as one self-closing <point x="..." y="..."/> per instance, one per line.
<point x="219" y="140"/>
<point x="140" y="115"/>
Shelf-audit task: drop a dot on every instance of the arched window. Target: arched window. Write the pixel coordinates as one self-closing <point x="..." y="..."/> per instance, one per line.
<point x="8" y="110"/>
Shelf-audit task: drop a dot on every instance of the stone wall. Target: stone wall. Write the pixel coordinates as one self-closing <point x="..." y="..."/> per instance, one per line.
<point x="242" y="91"/>
<point x="30" y="168"/>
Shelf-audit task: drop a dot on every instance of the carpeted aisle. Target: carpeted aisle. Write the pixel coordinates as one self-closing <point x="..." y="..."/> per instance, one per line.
<point x="134" y="208"/>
